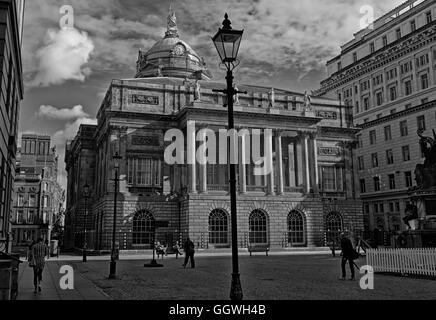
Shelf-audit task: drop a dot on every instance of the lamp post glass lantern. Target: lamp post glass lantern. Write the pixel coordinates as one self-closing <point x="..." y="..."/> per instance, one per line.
<point x="227" y="42"/>
<point x="85" y="197"/>
<point x="113" y="263"/>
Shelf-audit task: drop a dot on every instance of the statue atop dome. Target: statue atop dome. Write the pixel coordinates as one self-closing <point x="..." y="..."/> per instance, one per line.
<point x="172" y="30"/>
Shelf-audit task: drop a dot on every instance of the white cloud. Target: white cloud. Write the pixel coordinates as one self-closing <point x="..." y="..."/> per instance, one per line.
<point x="63" y="57"/>
<point x="53" y="113"/>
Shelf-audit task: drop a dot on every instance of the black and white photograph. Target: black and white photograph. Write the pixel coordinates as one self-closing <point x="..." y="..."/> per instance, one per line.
<point x="217" y="156"/>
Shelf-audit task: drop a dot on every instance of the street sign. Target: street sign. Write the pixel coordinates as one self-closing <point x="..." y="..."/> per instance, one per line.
<point x="161" y="224"/>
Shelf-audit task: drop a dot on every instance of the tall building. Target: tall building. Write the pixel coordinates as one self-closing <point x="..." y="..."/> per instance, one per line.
<point x="306" y="200"/>
<point x="385" y="76"/>
<point x="11" y="94"/>
<point x="38" y="198"/>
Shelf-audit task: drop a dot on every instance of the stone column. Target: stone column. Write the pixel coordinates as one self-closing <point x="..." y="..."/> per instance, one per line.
<point x="292" y="168"/>
<point x="191" y="147"/>
<point x="203" y="170"/>
<point x="300" y="165"/>
<point x="306" y="168"/>
<point x="243" y="166"/>
<point x="269" y="153"/>
<point x="279" y="161"/>
<point x="314" y="153"/>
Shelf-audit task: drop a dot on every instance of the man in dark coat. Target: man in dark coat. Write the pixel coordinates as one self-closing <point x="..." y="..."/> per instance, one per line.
<point x="189" y="253"/>
<point x="348" y="254"/>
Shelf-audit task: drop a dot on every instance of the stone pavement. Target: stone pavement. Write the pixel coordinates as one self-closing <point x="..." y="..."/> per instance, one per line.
<point x="277" y="277"/>
<point x="84" y="289"/>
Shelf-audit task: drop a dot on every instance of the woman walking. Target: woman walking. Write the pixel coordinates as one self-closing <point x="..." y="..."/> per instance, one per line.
<point x="39" y="252"/>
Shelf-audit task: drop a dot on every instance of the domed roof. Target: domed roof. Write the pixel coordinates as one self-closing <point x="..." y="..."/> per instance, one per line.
<point x="171" y="57"/>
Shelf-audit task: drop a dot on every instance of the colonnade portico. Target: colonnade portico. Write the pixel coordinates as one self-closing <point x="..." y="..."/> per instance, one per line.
<point x="301" y="168"/>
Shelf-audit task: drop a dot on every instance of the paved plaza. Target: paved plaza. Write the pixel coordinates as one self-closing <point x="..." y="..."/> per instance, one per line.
<point x="286" y="277"/>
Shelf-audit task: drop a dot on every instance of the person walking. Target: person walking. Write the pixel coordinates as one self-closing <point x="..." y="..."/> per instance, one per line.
<point x="39" y="252"/>
<point x="348" y="255"/>
<point x="189" y="252"/>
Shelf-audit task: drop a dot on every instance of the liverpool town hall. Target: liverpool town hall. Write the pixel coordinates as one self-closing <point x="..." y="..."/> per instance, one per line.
<point x="307" y="199"/>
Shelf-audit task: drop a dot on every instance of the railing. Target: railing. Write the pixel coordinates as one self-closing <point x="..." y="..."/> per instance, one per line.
<point x="257" y="188"/>
<point x="217" y="187"/>
<point x="293" y="190"/>
<point x="404" y="261"/>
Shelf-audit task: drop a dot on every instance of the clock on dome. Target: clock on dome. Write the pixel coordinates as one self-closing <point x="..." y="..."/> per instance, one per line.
<point x="179" y="49"/>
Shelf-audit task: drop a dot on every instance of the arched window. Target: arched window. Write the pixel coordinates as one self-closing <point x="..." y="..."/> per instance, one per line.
<point x="143" y="228"/>
<point x="333" y="226"/>
<point x="296" y="228"/>
<point x="258" y="227"/>
<point x="218" y="227"/>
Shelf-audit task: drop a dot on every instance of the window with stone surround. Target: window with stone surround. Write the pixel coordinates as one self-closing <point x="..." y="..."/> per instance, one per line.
<point x="145" y="172"/>
<point x="376" y="183"/>
<point x="362" y="186"/>
<point x="388" y="133"/>
<point x="421" y="122"/>
<point x="428" y="17"/>
<point x="332" y="178"/>
<point x="258" y="226"/>
<point x="391" y="181"/>
<point x="406" y="153"/>
<point x="143" y="228"/>
<point x="424" y="81"/>
<point x="296" y="229"/>
<point x="403" y="128"/>
<point x="408" y="179"/>
<point x="389" y="156"/>
<point x="218" y="227"/>
<point x="333" y="224"/>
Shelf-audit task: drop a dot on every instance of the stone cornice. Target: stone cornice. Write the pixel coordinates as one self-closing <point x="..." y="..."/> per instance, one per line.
<point x="425" y="106"/>
<point x="392" y="52"/>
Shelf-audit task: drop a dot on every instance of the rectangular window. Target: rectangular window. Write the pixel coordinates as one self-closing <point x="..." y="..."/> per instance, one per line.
<point x="361" y="163"/>
<point x="412" y="25"/>
<point x="391" y="207"/>
<point x="385" y="41"/>
<point x="389" y="156"/>
<point x="406" y="153"/>
<point x="375" y="207"/>
<point x="408" y="179"/>
<point x="424" y="81"/>
<point x="355" y="57"/>
<point x="403" y="128"/>
<point x="357" y="107"/>
<point x="362" y="186"/>
<point x="339" y="66"/>
<point x="428" y="17"/>
<point x="379" y="98"/>
<point x="372" y="137"/>
<point x="397" y="207"/>
<point x="388" y="133"/>
<point x="393" y="93"/>
<point x="20" y="200"/>
<point x="382" y="207"/>
<point x="32" y="200"/>
<point x="392" y="181"/>
<point x="359" y="141"/>
<point x="372" y="47"/>
<point x="144" y="172"/>
<point x="408" y="88"/>
<point x="329" y="178"/>
<point x="421" y="122"/>
<point x="376" y="183"/>
<point x="366" y="103"/>
<point x="398" y="34"/>
<point x="374" y="160"/>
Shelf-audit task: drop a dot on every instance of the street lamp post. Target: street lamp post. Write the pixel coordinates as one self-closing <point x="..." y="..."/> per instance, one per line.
<point x="227" y="43"/>
<point x="85" y="196"/>
<point x="113" y="263"/>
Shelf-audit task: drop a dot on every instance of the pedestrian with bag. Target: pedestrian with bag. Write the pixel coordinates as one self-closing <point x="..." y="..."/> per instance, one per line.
<point x="189" y="248"/>
<point x="348" y="255"/>
<point x="39" y="252"/>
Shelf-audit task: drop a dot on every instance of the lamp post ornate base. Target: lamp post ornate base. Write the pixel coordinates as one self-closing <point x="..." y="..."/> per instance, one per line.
<point x="113" y="270"/>
<point x="236" y="288"/>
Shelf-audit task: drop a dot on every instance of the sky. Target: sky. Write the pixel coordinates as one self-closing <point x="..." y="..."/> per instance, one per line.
<point x="67" y="71"/>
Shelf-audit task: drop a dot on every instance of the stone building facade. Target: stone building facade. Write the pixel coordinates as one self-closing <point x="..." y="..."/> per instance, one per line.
<point x="386" y="77"/>
<point x="11" y="94"/>
<point x="38" y="198"/>
<point x="306" y="200"/>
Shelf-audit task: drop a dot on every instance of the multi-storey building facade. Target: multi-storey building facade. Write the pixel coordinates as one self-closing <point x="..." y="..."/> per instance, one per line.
<point x="385" y="76"/>
<point x="38" y="198"/>
<point x="11" y="93"/>
<point x="306" y="200"/>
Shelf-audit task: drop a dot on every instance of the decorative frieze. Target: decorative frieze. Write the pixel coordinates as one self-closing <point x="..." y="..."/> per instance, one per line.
<point x="329" y="151"/>
<point x="151" y="141"/>
<point x="143" y="99"/>
<point x="327" y="114"/>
